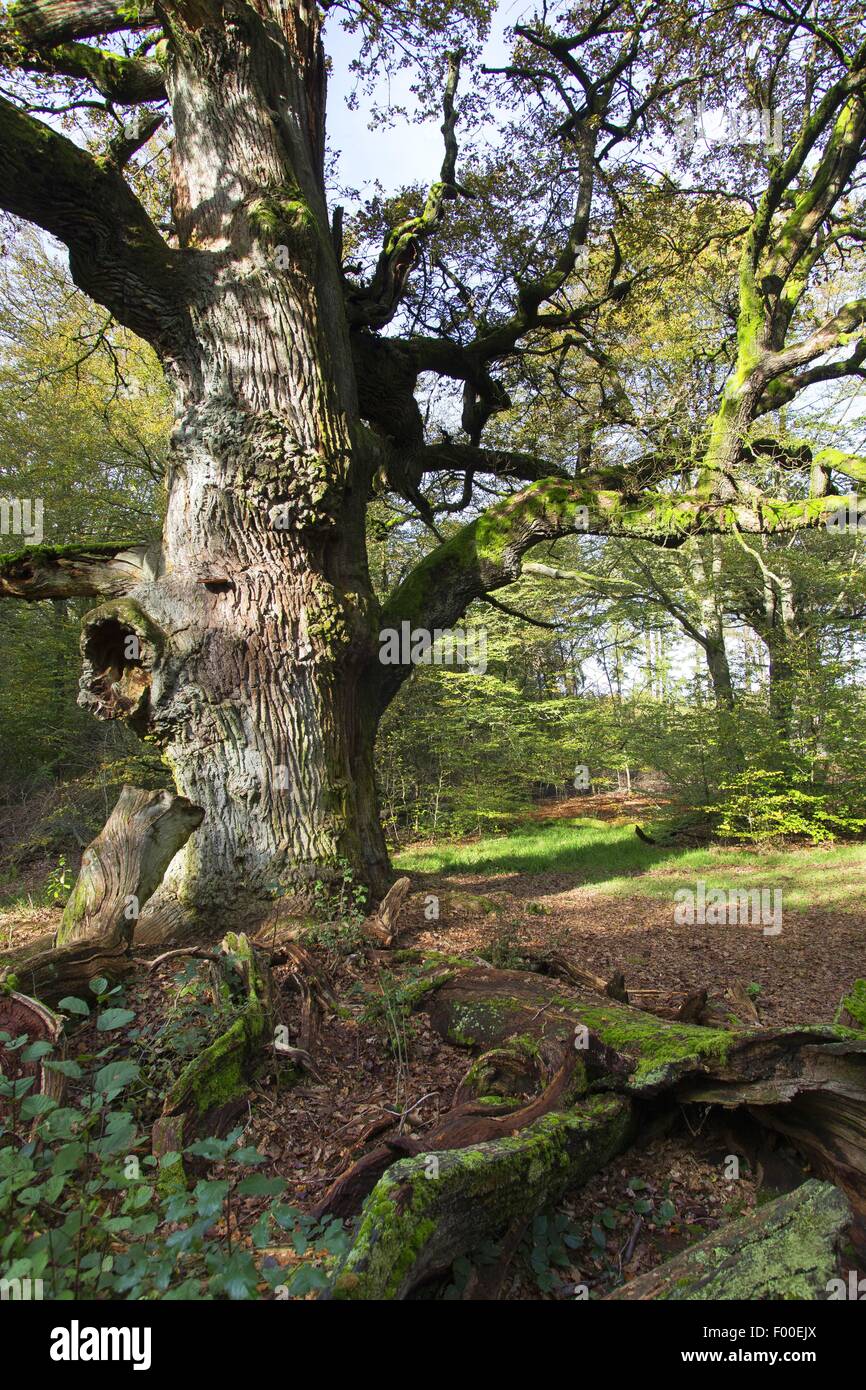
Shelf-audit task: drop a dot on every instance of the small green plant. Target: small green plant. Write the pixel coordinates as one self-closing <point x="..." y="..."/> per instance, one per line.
<point x="58" y="885"/>
<point x="341" y="899"/>
<point x="504" y="951"/>
<point x="549" y="1246"/>
<point x="389" y="1010"/>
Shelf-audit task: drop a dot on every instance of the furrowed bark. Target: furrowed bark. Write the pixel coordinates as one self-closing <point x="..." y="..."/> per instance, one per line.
<point x="242" y="650"/>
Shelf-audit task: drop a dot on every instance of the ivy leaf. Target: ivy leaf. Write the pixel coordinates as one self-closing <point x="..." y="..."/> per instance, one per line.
<point x="71" y="1004"/>
<point x="259" y="1185"/>
<point x="115" y="1075"/>
<point x="666" y="1212"/>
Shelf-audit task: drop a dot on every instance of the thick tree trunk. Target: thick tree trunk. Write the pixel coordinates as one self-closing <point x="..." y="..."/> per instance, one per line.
<point x="245" y="649"/>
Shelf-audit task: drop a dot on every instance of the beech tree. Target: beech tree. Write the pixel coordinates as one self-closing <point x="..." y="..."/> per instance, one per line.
<point x="246" y="643"/>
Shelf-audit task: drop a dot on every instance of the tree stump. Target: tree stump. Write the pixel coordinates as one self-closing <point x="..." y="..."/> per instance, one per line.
<point x="22" y="1015"/>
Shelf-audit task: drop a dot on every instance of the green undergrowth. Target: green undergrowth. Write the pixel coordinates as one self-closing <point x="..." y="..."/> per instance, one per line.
<point x="83" y="1214"/>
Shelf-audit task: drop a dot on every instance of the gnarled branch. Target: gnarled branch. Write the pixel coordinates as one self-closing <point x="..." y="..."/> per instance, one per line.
<point x="116" y="254"/>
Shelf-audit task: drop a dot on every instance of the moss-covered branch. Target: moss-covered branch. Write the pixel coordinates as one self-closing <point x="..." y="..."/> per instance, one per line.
<point x="375" y="305"/>
<point x="449" y="1198"/>
<point x="775" y="266"/>
<point x="486" y="554"/>
<point x="58" y="21"/>
<point x="117" y="78"/>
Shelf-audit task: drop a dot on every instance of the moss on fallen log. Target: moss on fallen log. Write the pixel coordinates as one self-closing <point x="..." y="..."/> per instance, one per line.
<point x="788" y="1249"/>
<point x="643" y="1055"/>
<point x="429" y="1209"/>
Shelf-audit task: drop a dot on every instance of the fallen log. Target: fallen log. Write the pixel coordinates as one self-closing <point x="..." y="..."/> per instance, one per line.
<point x="808" y="1082"/>
<point x="48" y="972"/>
<point x="786" y="1249"/>
<point x="428" y="1209"/>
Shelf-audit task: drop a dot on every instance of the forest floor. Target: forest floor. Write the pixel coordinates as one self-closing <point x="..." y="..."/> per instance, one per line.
<point x="576" y="879"/>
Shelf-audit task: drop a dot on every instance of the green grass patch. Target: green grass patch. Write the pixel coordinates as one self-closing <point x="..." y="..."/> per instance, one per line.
<point x="613" y="860"/>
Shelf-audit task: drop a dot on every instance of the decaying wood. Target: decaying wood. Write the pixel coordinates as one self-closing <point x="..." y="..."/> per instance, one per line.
<point x="786" y="1249"/>
<point x="430" y="1208"/>
<point x="553" y="963"/>
<point x="311" y="982"/>
<point x="382" y="925"/>
<point x="303" y="965"/>
<point x="808" y="1083"/>
<point x="733" y="1007"/>
<point x="124" y="865"/>
<point x="20" y="1015"/>
<point x="471" y="1122"/>
<point x="49" y="972"/>
<point x="211" y="1089"/>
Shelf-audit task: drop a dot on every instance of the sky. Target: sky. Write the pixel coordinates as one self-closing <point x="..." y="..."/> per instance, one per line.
<point x="404" y="154"/>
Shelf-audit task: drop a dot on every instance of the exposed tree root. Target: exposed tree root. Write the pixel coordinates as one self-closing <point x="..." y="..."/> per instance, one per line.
<point x="787" y="1249"/>
<point x="472" y="1122"/>
<point x="48" y="972"/>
